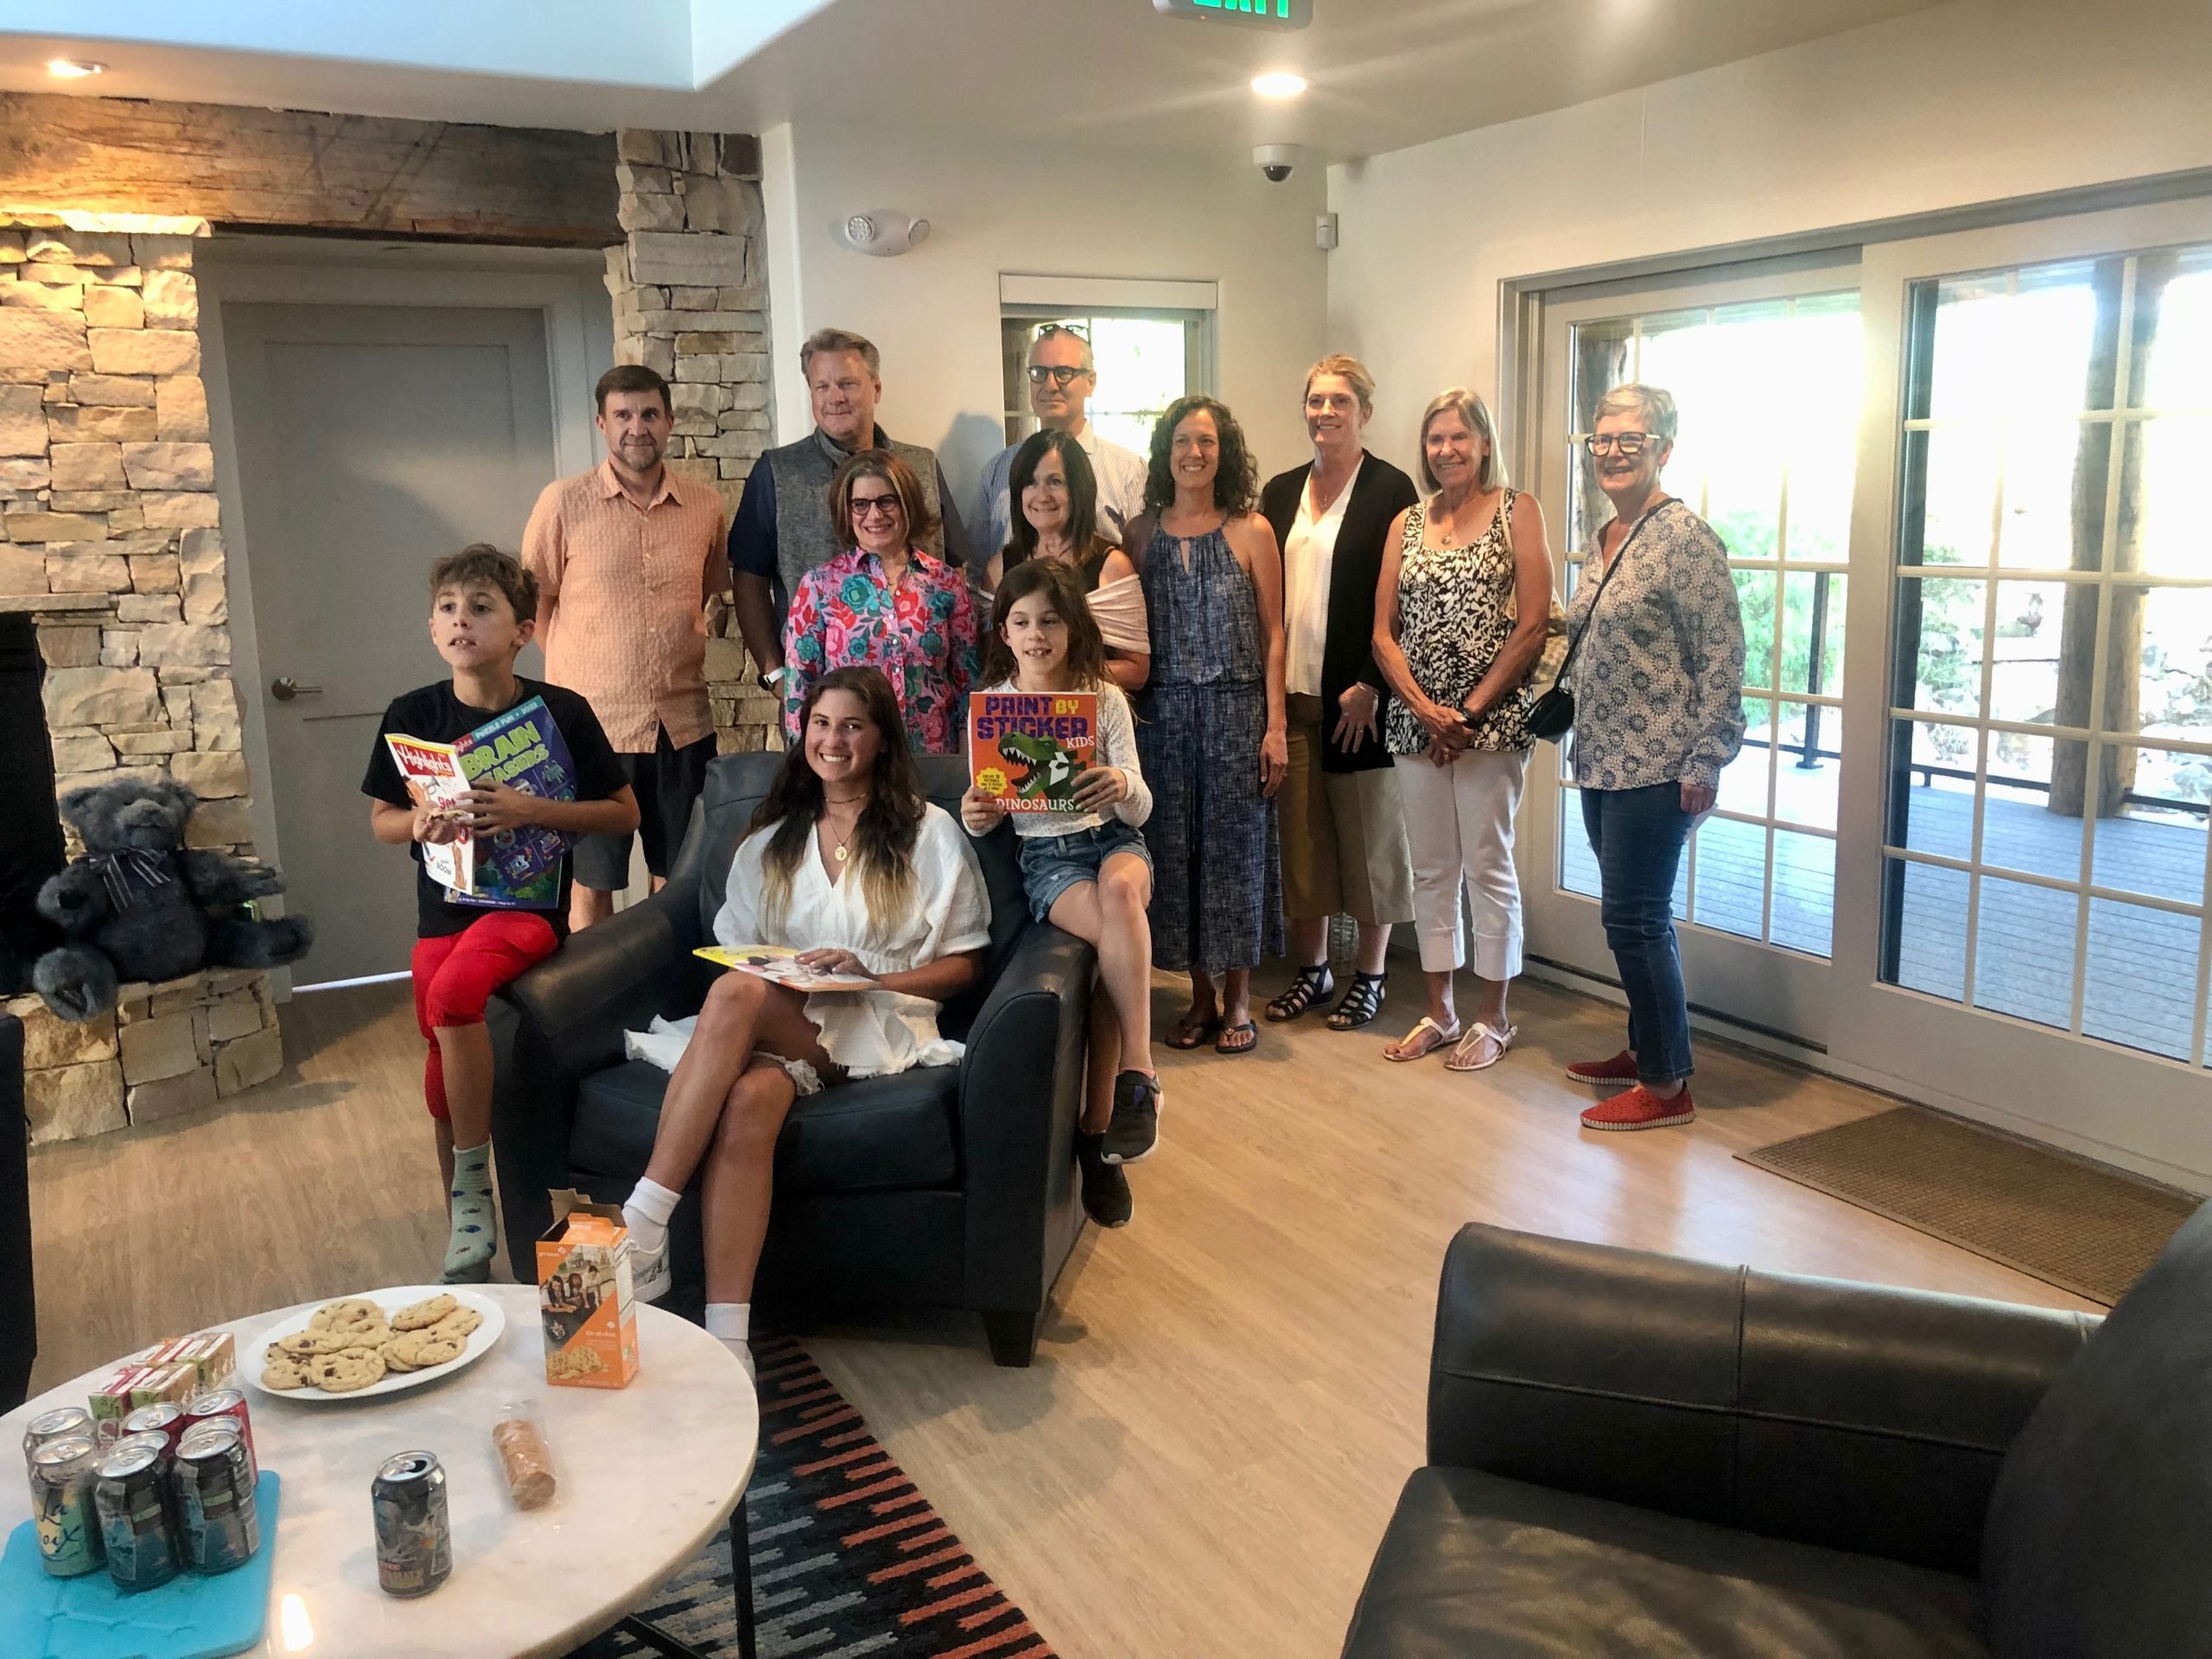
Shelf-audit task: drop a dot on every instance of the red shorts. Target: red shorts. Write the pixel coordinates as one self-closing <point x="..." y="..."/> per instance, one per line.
<point x="457" y="974"/>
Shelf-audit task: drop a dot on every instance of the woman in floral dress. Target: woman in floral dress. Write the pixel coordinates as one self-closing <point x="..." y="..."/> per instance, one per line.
<point x="883" y="603"/>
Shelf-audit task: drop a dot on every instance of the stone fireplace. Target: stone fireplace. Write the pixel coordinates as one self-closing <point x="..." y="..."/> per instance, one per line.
<point x="113" y="548"/>
<point x="111" y="544"/>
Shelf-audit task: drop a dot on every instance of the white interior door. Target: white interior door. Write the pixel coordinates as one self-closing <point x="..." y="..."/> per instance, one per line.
<point x="370" y="441"/>
<point x="1766" y="368"/>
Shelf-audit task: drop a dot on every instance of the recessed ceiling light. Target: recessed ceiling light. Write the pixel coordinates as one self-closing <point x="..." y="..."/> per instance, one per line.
<point x="74" y="68"/>
<point x="1280" y="83"/>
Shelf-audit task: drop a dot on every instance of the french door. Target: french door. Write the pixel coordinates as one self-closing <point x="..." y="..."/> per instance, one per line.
<point x="1962" y="853"/>
<point x="2028" y="933"/>
<point x="1772" y="470"/>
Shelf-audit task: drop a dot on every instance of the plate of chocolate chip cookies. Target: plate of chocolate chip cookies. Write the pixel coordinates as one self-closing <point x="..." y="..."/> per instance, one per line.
<point x="380" y="1342"/>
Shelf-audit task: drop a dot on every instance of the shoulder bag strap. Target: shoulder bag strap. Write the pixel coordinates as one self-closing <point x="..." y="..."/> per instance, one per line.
<point x="1575" y="644"/>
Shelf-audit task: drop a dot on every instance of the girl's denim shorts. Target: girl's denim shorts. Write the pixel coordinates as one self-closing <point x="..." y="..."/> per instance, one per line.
<point x="1052" y="864"/>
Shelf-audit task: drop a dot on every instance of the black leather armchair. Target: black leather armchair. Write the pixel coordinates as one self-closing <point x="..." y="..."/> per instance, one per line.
<point x="1631" y="1454"/>
<point x="948" y="1187"/>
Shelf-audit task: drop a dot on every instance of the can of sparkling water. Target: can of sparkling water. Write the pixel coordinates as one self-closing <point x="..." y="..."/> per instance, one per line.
<point x="216" y="1516"/>
<point x="68" y="1422"/>
<point x="413" y="1533"/>
<point x="164" y="1418"/>
<point x="137" y="1526"/>
<point x="63" y="1474"/>
<point x="216" y="1405"/>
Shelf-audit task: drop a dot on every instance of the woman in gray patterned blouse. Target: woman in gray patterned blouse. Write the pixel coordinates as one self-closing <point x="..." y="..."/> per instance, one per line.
<point x="1658" y="683"/>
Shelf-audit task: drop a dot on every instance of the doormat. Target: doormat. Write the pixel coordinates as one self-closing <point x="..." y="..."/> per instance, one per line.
<point x="2074" y="1224"/>
<point x="848" y="1557"/>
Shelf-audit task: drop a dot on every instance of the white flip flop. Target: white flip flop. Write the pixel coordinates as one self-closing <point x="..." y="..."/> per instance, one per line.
<point x="1475" y="1032"/>
<point x="1443" y="1037"/>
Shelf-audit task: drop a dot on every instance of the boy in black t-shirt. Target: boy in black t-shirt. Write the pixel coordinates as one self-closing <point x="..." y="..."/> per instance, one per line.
<point x="483" y="610"/>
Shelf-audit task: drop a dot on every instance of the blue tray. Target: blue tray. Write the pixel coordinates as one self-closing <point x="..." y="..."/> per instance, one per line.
<point x="87" y="1617"/>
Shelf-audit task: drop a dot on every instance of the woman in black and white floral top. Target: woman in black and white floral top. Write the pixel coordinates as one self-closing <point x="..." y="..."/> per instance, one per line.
<point x="1658" y="683"/>
<point x="1459" y="618"/>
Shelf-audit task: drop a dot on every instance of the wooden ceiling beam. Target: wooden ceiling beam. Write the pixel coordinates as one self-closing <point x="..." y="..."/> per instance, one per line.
<point x="296" y="169"/>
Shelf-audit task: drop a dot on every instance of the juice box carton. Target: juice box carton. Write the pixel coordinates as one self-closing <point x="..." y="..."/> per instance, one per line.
<point x="155" y="1383"/>
<point x="212" y="1356"/>
<point x="111" y="1402"/>
<point x="584" y="1298"/>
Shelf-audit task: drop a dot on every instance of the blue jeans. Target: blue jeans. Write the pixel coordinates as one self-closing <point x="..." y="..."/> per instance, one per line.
<point x="1638" y="836"/>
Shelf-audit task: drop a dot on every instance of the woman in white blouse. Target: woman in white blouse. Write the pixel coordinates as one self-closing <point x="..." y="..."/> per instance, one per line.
<point x="847" y="860"/>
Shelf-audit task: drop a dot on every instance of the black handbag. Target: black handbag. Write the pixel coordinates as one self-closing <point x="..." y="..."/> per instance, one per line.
<point x="1551" y="717"/>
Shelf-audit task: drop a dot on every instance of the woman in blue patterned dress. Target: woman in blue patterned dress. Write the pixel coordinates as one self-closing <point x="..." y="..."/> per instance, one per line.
<point x="1211" y="736"/>
<point x="1658" y="688"/>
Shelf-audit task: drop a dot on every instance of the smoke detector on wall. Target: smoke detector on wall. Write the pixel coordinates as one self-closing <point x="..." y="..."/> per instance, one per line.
<point x="883" y="233"/>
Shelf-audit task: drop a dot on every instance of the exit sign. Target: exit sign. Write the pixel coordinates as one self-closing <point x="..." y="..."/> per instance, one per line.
<point x="1264" y="14"/>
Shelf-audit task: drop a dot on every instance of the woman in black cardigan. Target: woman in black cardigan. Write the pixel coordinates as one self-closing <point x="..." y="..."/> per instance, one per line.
<point x="1343" y="835"/>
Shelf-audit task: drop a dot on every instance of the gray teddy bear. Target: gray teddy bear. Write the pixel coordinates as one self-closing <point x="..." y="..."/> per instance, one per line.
<point x="142" y="905"/>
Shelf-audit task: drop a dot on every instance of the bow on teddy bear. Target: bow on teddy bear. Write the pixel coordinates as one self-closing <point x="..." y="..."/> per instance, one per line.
<point x="142" y="905"/>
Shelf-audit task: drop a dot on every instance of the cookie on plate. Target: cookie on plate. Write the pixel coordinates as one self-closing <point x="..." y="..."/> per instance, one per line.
<point x="349" y="1370"/>
<point x="456" y="1325"/>
<point x="393" y="1360"/>
<point x="306" y="1346"/>
<point x="281" y="1372"/>
<point x="346" y="1313"/>
<point x="419" y="1350"/>
<point x="420" y="1316"/>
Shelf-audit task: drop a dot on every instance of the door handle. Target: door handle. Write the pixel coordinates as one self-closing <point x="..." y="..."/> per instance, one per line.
<point x="285" y="688"/>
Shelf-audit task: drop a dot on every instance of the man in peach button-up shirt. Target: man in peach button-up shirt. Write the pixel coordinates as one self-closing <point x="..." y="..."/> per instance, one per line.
<point x="626" y="556"/>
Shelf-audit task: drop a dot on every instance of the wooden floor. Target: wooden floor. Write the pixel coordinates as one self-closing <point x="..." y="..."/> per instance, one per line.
<point x="1230" y="1392"/>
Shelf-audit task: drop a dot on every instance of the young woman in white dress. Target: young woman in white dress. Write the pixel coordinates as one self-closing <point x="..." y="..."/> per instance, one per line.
<point x="847" y="860"/>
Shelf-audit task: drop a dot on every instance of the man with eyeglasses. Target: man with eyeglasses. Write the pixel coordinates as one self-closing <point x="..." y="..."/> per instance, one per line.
<point x="784" y="529"/>
<point x="1063" y="374"/>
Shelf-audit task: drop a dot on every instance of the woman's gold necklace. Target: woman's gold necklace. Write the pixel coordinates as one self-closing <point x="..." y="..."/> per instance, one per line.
<point x="843" y="851"/>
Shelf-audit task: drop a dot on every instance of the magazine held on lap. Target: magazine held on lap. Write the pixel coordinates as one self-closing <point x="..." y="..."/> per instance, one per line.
<point x="512" y="870"/>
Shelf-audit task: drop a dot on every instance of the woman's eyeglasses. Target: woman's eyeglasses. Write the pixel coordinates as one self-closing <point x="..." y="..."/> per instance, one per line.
<point x="876" y="506"/>
<point x="1629" y="443"/>
<point x="1059" y="373"/>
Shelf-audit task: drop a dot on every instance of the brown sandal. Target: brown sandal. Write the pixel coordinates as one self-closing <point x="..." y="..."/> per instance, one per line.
<point x="1247" y="1030"/>
<point x="1189" y="1034"/>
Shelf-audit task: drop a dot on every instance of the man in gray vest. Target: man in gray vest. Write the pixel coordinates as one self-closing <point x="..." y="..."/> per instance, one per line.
<point x="782" y="529"/>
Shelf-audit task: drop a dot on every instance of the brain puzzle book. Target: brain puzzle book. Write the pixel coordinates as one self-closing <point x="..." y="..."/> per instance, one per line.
<point x="523" y="749"/>
<point x="1026" y="750"/>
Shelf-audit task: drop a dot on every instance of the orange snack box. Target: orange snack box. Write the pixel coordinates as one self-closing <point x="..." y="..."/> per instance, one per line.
<point x="584" y="1298"/>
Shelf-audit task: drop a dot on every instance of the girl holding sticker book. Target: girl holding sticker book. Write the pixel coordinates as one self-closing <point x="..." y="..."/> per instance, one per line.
<point x="847" y="860"/>
<point x="1087" y="871"/>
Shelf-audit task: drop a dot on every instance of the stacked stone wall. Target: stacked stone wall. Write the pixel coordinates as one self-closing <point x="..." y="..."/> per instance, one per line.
<point x="110" y="539"/>
<point x="690" y="300"/>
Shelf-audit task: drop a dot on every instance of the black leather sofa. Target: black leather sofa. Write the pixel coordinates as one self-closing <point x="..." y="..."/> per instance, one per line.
<point x="1634" y="1455"/>
<point x="949" y="1186"/>
<point x="18" y="1303"/>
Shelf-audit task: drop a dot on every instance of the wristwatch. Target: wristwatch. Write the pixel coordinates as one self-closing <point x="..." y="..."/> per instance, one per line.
<point x="770" y="679"/>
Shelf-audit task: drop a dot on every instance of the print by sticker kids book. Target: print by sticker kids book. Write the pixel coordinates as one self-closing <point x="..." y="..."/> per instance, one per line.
<point x="522" y="748"/>
<point x="1026" y="751"/>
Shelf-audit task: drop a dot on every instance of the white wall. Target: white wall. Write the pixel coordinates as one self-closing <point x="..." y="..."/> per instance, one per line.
<point x="1979" y="101"/>
<point x="1076" y="211"/>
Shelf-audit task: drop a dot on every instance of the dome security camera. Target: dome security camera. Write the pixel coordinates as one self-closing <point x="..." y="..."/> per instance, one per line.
<point x="1276" y="161"/>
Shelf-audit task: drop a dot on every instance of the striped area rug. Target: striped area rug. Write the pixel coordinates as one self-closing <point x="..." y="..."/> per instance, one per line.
<point x="848" y="1558"/>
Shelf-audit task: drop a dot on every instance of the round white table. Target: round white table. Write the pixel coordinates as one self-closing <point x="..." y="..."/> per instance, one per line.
<point x="647" y="1474"/>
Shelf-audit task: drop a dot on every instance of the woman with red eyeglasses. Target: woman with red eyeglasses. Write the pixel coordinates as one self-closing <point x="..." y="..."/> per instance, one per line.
<point x="884" y="603"/>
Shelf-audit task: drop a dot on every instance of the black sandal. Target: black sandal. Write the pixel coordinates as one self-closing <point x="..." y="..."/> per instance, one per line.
<point x="1362" y="1002"/>
<point x="1309" y="987"/>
